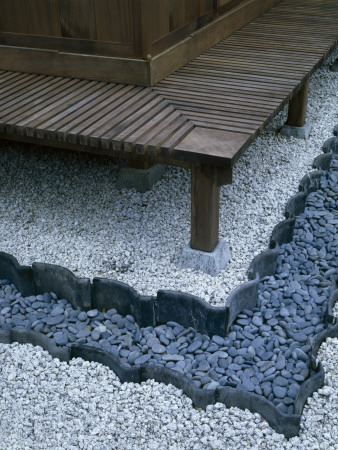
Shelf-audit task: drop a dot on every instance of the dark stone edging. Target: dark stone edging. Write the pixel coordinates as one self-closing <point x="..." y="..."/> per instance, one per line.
<point x="186" y="309"/>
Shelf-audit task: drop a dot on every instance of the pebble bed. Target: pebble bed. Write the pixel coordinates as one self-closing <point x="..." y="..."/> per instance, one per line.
<point x="268" y="348"/>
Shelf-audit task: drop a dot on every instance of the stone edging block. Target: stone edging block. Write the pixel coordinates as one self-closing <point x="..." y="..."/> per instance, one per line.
<point x="282" y="233"/>
<point x="329" y="317"/>
<point x="242" y="297"/>
<point x="61" y="281"/>
<point x="323" y="161"/>
<point x="190" y="311"/>
<point x="110" y="294"/>
<point x="331" y="145"/>
<point x="21" y="276"/>
<point x="264" y="264"/>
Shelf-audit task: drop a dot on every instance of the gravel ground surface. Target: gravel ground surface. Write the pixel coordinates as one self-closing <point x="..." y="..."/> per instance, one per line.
<point x="64" y="208"/>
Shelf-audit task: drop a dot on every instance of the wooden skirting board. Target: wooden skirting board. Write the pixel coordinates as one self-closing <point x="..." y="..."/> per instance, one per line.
<point x="204" y="114"/>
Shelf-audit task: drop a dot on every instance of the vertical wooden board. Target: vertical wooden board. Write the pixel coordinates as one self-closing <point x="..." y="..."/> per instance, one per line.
<point x="205" y="6"/>
<point x="191" y="10"/>
<point x="160" y="18"/>
<point x="136" y="27"/>
<point x="176" y="14"/>
<point x="13" y="17"/>
<point x="77" y="19"/>
<point x="43" y="17"/>
<point x="114" y="20"/>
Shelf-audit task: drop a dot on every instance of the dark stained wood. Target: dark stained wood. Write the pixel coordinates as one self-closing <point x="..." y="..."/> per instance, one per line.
<point x="77" y="18"/>
<point x="297" y="107"/>
<point x="203" y="116"/>
<point x="114" y="21"/>
<point x="175" y="57"/>
<point x="204" y="208"/>
<point x="80" y="46"/>
<point x="161" y="35"/>
<point x="90" y="67"/>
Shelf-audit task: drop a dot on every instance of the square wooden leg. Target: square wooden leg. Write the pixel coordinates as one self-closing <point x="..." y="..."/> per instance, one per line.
<point x="204" y="208"/>
<point x="297" y="107"/>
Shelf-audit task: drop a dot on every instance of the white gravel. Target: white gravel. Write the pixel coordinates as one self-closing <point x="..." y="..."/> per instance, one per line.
<point x="64" y="208"/>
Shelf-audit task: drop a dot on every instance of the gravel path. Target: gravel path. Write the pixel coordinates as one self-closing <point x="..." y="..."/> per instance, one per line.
<point x="64" y="208"/>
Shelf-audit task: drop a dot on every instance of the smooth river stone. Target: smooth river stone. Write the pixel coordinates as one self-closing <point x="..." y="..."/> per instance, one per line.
<point x="194" y="346"/>
<point x="82" y="316"/>
<point x="60" y="338"/>
<point x="279" y="392"/>
<point x="158" y="348"/>
<point x="173" y="358"/>
<point x="142" y="359"/>
<point x="257" y="321"/>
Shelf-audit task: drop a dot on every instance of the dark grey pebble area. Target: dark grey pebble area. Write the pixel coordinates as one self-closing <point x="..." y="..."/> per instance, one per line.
<point x="267" y="350"/>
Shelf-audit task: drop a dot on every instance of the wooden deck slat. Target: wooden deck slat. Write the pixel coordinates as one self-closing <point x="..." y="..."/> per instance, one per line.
<point x="55" y="104"/>
<point x="220" y="100"/>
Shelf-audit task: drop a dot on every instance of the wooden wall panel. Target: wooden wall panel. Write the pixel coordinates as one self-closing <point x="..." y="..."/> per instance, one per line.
<point x="38" y="17"/>
<point x="43" y="17"/>
<point x="176" y="14"/>
<point x="160" y="18"/>
<point x="13" y="17"/>
<point x="77" y="19"/>
<point x="114" y="20"/>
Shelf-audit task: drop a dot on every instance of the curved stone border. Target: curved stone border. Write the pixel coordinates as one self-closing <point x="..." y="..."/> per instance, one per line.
<point x="186" y="309"/>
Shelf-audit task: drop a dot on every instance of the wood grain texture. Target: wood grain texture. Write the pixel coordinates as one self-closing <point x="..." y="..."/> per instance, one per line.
<point x="207" y="112"/>
<point x="204" y="208"/>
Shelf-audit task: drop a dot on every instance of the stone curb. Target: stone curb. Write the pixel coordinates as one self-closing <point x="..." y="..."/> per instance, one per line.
<point x="282" y="233"/>
<point x="190" y="311"/>
<point x="21" y="276"/>
<point x="308" y="184"/>
<point x="329" y="317"/>
<point x="331" y="331"/>
<point x="331" y="145"/>
<point x="61" y="281"/>
<point x="110" y="294"/>
<point x="323" y="161"/>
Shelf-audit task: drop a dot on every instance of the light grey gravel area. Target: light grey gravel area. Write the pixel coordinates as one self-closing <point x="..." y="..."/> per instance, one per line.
<point x="64" y="208"/>
<point x="46" y="404"/>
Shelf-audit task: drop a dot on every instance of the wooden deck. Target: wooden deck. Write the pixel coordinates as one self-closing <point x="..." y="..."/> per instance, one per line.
<point x="203" y="116"/>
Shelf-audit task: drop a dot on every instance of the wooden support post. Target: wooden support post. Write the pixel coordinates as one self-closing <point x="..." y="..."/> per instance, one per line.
<point x="204" y="207"/>
<point x="297" y="107"/>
